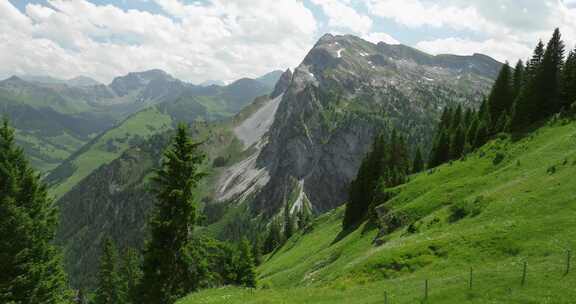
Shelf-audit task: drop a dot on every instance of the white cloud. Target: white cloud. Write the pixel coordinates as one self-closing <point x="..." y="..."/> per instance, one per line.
<point x="504" y="29"/>
<point x="378" y="37"/>
<point x="417" y="13"/>
<point x="341" y="15"/>
<point x="500" y="50"/>
<point x="217" y="40"/>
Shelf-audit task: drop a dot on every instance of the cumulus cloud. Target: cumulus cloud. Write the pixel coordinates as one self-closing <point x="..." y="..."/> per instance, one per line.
<point x="504" y="29"/>
<point x="500" y="50"/>
<point x="380" y="37"/>
<point x="225" y="39"/>
<point x="213" y="40"/>
<point x="341" y="15"/>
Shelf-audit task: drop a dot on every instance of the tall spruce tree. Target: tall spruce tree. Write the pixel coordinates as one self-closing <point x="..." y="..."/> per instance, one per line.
<point x="501" y="97"/>
<point x="569" y="81"/>
<point x="457" y="142"/>
<point x="246" y="269"/>
<point x="418" y="163"/>
<point x="288" y="222"/>
<point x="131" y="274"/>
<point x="440" y="152"/>
<point x="30" y="265"/>
<point x="110" y="289"/>
<point x="362" y="187"/>
<point x="517" y="80"/>
<point x="170" y="269"/>
<point x="548" y="77"/>
<point x="471" y="135"/>
<point x="274" y="238"/>
<point x="482" y="135"/>
<point x="526" y="105"/>
<point x="536" y="60"/>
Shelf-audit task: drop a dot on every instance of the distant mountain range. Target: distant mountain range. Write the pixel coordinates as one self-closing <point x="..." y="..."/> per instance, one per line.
<point x="56" y="117"/>
<point x="300" y="146"/>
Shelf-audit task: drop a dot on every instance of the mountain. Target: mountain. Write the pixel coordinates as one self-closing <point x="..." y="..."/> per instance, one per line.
<point x="42" y="79"/>
<point x="507" y="206"/>
<point x="270" y="79"/>
<point x="50" y="126"/>
<point x="112" y="197"/>
<point x="82" y="81"/>
<point x="180" y="103"/>
<point x="148" y="86"/>
<point x="55" y="118"/>
<point x="208" y="83"/>
<point x="344" y="92"/>
<point x="282" y="84"/>
<point x="300" y="146"/>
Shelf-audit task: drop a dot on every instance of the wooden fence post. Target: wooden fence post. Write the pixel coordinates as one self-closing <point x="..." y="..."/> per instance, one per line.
<point x="426" y="289"/>
<point x="568" y="257"/>
<point x="470" y="281"/>
<point x="524" y="273"/>
<point x="385" y="297"/>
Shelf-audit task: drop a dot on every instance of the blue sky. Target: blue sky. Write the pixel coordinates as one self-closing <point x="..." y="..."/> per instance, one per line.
<point x="199" y="40"/>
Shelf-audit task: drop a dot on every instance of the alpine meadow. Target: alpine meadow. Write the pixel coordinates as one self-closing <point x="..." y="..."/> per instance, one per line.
<point x="287" y="151"/>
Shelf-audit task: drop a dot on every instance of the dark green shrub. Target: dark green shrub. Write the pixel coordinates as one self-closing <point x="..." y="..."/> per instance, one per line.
<point x="464" y="209"/>
<point x="498" y="159"/>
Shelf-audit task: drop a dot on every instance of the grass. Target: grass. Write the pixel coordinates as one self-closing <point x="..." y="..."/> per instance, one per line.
<point x="110" y="144"/>
<point x="477" y="213"/>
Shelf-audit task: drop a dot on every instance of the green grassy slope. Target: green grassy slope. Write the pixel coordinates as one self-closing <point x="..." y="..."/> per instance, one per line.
<point x="107" y="147"/>
<point x="506" y="204"/>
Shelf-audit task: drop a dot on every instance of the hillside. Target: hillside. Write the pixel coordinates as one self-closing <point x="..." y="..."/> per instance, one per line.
<point x="110" y="195"/>
<point x="318" y="129"/>
<point x="54" y="118"/>
<point x="195" y="103"/>
<point x="508" y="203"/>
<point x="344" y="92"/>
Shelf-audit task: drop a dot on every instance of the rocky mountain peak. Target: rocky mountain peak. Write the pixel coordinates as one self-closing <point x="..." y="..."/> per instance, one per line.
<point x="282" y="84"/>
<point x="346" y="90"/>
<point x="136" y="81"/>
<point x="13" y="78"/>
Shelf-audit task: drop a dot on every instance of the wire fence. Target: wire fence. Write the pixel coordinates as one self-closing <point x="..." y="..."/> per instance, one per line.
<point x="548" y="277"/>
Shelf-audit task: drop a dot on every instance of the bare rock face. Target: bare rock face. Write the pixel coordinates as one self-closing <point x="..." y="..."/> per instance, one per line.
<point x="344" y="92"/>
<point x="282" y="84"/>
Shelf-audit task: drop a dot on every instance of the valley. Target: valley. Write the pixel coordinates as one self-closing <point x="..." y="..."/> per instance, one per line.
<point x="300" y="151"/>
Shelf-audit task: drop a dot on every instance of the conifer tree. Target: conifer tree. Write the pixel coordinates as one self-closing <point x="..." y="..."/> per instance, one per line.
<point x="257" y="250"/>
<point x="170" y="268"/>
<point x="482" y="135"/>
<point x="456" y="119"/>
<point x="501" y="123"/>
<point x="517" y="80"/>
<point x="109" y="289"/>
<point x="526" y="105"/>
<point x="548" y="77"/>
<point x="441" y="151"/>
<point x="471" y="135"/>
<point x="288" y="222"/>
<point x="501" y="97"/>
<point x="131" y="274"/>
<point x="30" y="265"/>
<point x="457" y="142"/>
<point x="536" y="59"/>
<point x="362" y="187"/>
<point x="468" y="116"/>
<point x="274" y="238"/>
<point x="569" y="81"/>
<point x="418" y="163"/>
<point x="246" y="268"/>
